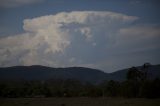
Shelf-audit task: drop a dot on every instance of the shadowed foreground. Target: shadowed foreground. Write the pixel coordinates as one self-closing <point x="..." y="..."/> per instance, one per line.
<point x="78" y="102"/>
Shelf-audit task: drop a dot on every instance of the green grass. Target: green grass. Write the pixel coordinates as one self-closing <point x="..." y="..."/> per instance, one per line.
<point x="78" y="102"/>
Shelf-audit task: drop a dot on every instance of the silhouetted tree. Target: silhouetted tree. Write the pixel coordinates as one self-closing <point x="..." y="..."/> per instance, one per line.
<point x="134" y="74"/>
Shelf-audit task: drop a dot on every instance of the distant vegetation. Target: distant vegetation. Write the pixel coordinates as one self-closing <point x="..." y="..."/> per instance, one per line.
<point x="137" y="84"/>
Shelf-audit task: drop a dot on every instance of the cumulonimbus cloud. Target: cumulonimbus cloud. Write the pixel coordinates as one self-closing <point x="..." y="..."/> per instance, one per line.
<point x="47" y="38"/>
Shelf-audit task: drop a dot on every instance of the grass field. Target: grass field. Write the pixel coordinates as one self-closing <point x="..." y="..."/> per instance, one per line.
<point x="78" y="102"/>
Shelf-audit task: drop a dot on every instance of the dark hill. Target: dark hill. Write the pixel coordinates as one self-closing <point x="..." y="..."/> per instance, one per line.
<point x="45" y="73"/>
<point x="37" y="72"/>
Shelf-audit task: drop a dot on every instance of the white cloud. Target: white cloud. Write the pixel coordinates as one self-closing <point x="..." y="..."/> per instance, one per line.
<point x="16" y="3"/>
<point x="89" y="36"/>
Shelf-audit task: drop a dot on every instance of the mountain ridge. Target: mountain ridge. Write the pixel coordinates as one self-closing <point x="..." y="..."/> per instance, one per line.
<point x="38" y="72"/>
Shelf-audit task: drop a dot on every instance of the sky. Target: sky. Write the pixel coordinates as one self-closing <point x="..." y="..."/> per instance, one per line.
<point x="104" y="34"/>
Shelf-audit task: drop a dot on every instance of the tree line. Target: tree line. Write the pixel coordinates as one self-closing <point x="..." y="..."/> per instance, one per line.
<point x="136" y="85"/>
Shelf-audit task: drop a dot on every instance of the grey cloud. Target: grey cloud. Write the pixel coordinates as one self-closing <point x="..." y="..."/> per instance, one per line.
<point x="16" y="3"/>
<point x="47" y="36"/>
<point x="79" y="38"/>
